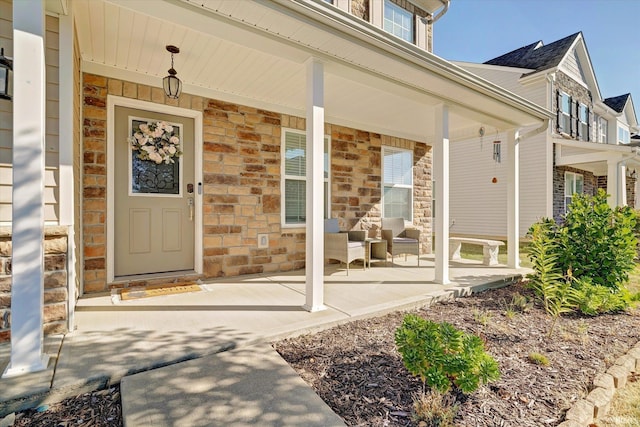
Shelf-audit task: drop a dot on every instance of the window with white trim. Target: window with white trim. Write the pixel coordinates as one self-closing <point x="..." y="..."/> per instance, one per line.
<point x="573" y="184"/>
<point x="398" y="21"/>
<point x="397" y="187"/>
<point x="294" y="171"/>
<point x="623" y="135"/>
<point x="583" y="122"/>
<point x="603" y="129"/>
<point x="564" y="113"/>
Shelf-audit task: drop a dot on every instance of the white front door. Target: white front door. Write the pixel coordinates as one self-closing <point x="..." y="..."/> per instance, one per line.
<point x="154" y="212"/>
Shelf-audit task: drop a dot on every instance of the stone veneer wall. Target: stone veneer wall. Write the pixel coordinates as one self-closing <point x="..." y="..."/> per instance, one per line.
<point x="631" y="188"/>
<point x="591" y="185"/>
<point x="578" y="93"/>
<point x="241" y="172"/>
<point x="55" y="281"/>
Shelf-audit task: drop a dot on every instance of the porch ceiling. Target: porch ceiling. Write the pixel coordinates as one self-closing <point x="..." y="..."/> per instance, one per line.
<point x="254" y="53"/>
<point x="594" y="157"/>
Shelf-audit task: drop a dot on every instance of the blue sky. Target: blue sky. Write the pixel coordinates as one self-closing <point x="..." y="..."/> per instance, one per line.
<point x="479" y="30"/>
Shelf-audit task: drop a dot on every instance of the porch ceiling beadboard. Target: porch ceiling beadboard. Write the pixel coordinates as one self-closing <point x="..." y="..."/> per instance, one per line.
<point x="254" y="53"/>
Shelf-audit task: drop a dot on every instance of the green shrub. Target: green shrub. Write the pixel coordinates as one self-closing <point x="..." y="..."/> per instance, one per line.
<point x="595" y="299"/>
<point x="547" y="280"/>
<point x="599" y="242"/>
<point x="585" y="262"/>
<point x="443" y="356"/>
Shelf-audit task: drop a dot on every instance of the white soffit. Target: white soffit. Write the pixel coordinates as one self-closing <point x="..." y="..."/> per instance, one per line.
<point x="250" y="52"/>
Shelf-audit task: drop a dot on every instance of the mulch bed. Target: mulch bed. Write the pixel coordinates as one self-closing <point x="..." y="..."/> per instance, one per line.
<point x="97" y="409"/>
<point x="356" y="369"/>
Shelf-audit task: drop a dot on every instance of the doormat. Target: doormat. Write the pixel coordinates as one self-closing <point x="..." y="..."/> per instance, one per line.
<point x="158" y="290"/>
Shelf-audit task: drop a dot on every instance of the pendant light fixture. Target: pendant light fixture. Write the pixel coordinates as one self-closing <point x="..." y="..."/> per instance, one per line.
<point x="172" y="84"/>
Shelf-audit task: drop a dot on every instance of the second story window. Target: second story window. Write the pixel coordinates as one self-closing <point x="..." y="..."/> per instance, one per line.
<point x="583" y="122"/>
<point x="623" y="135"/>
<point x="564" y="113"/>
<point x="603" y="129"/>
<point x="398" y="21"/>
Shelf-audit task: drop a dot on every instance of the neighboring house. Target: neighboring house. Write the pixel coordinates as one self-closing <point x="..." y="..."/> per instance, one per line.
<point x="291" y="111"/>
<point x="586" y="147"/>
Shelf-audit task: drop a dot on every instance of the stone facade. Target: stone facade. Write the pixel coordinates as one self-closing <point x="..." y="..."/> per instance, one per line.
<point x="591" y="185"/>
<point x="360" y="8"/>
<point x="578" y="93"/>
<point x="242" y="183"/>
<point x="55" y="281"/>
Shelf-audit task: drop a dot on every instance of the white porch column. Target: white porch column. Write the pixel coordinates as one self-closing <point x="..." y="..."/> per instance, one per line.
<point x="315" y="187"/>
<point x="615" y="179"/>
<point x="28" y="189"/>
<point x="513" y="200"/>
<point x="441" y="175"/>
<point x="65" y="156"/>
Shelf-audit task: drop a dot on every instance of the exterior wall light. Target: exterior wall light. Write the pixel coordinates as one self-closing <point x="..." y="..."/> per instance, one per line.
<point x="172" y="84"/>
<point x="6" y="76"/>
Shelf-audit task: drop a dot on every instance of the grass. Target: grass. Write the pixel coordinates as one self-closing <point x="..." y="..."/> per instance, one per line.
<point x="475" y="252"/>
<point x="538" y="359"/>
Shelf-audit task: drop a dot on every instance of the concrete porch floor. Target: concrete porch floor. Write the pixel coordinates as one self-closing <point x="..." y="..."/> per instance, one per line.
<point x="112" y="341"/>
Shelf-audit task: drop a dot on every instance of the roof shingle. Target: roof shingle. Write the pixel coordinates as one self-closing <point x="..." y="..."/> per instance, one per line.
<point x="536" y="56"/>
<point x="617" y="103"/>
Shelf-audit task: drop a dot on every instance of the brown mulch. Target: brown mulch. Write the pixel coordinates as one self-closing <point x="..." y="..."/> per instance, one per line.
<point x="97" y="409"/>
<point x="356" y="369"/>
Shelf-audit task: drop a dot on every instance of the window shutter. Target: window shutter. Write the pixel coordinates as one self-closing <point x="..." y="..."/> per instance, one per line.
<point x="572" y="116"/>
<point x="588" y="125"/>
<point x="558" y="111"/>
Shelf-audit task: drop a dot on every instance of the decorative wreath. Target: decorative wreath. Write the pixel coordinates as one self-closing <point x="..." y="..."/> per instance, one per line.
<point x="156" y="142"/>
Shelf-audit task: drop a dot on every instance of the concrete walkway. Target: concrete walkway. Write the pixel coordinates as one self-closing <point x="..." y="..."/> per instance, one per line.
<point x="118" y="339"/>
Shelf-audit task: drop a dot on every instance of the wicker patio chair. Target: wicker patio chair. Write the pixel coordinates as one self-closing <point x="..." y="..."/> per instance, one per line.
<point x="341" y="246"/>
<point x="400" y="240"/>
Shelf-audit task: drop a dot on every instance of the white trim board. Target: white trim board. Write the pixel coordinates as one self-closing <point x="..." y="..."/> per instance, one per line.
<point x="112" y="102"/>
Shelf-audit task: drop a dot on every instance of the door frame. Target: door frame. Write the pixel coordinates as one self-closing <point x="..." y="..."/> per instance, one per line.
<point x="118" y="101"/>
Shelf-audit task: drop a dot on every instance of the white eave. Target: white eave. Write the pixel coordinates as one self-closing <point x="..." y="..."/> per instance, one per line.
<point x="430" y="6"/>
<point x="253" y="53"/>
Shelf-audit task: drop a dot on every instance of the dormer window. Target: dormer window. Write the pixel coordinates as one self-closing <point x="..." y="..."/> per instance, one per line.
<point x="398" y="21"/>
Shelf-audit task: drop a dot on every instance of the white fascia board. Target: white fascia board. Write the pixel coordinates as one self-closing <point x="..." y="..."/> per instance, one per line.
<point x="630" y="112"/>
<point x="594" y="146"/>
<point x="347" y="24"/>
<point x="515" y="70"/>
<point x="535" y="76"/>
<point x="585" y="59"/>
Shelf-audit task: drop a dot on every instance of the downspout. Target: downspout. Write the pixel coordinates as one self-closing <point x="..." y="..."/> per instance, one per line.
<point x="444" y="10"/>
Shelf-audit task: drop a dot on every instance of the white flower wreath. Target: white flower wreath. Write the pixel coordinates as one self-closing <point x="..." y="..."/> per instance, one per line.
<point x="156" y="142"/>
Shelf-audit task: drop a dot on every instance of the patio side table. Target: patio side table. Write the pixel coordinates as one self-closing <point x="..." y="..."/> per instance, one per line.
<point x="375" y="249"/>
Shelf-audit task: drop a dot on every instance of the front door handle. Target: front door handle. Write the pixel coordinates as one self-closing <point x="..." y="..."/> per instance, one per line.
<point x="190" y="203"/>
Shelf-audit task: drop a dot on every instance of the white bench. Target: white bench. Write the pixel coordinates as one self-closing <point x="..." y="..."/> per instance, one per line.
<point x="490" y="248"/>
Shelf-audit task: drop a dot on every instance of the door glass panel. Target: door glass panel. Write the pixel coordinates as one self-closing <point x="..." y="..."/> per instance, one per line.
<point x="155" y="166"/>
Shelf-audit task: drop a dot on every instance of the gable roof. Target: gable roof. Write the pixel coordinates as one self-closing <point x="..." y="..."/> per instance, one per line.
<point x="617" y="103"/>
<point x="537" y="56"/>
